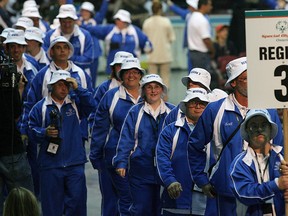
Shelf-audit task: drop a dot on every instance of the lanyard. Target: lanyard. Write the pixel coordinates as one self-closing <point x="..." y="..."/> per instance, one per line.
<point x="259" y="168"/>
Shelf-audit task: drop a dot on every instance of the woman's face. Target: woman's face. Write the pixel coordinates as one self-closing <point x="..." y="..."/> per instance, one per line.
<point x="153" y="92"/>
<point x="131" y="78"/>
<point x="121" y="25"/>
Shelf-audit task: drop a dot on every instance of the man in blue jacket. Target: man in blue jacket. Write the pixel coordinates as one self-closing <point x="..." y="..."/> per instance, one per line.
<point x="55" y="122"/>
<point x="81" y="39"/>
<point x="219" y="125"/>
<point x="260" y="167"/>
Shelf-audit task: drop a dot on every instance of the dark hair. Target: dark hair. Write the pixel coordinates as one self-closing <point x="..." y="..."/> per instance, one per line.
<point x="156" y="7"/>
<point x="202" y="2"/>
<point x="21" y="202"/>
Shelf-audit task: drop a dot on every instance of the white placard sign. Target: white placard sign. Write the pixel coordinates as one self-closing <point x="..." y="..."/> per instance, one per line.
<point x="267" y="58"/>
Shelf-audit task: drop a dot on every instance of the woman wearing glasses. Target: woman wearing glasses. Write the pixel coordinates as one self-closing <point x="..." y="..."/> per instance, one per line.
<point x="137" y="144"/>
<point x="106" y="128"/>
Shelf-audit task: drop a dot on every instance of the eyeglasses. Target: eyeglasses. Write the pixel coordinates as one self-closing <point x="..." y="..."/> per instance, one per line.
<point x="151" y="88"/>
<point x="194" y="104"/>
<point x="255" y="127"/>
<point x="132" y="72"/>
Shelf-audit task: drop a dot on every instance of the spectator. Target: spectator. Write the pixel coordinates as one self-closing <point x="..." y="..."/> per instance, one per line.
<point x="80" y="39"/>
<point x="185" y="15"/>
<point x="200" y="40"/>
<point x="21" y="201"/>
<point x="137" y="144"/>
<point x="258" y="168"/>
<point x="219" y="125"/>
<point x="121" y="36"/>
<point x="108" y="122"/>
<point x="160" y="32"/>
<point x="179" y="197"/>
<point x="55" y="121"/>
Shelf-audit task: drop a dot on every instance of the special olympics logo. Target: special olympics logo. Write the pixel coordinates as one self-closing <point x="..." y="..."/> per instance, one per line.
<point x="282" y="26"/>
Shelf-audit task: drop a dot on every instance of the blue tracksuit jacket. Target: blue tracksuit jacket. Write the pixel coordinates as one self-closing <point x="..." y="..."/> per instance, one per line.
<point x="133" y="42"/>
<point x="71" y="151"/>
<point x="108" y="121"/>
<point x="139" y="135"/>
<point x="39" y="89"/>
<point x="216" y="124"/>
<point x="83" y="46"/>
<point x="245" y="186"/>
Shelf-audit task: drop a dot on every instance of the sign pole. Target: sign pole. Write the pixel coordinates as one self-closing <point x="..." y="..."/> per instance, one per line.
<point x="285" y="132"/>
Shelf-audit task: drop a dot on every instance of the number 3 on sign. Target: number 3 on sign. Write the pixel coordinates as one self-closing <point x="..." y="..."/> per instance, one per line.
<point x="279" y="93"/>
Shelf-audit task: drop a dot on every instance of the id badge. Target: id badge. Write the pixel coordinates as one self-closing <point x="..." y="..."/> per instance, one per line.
<point x="52" y="148"/>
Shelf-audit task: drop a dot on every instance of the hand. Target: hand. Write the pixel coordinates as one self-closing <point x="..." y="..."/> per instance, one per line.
<point x="121" y="172"/>
<point x="209" y="190"/>
<point x="283" y="169"/>
<point x="73" y="82"/>
<point x="174" y="190"/>
<point x="24" y="139"/>
<point x="51" y="131"/>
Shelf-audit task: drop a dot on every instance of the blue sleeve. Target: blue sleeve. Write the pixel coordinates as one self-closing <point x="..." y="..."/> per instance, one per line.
<point x="163" y="154"/>
<point x="100" y="131"/>
<point x="87" y="103"/>
<point x="171" y="117"/>
<point x="34" y="95"/>
<point x="101" y="14"/>
<point x="46" y="39"/>
<point x="88" y="55"/>
<point x="35" y="122"/>
<point x="179" y="11"/>
<point x="142" y="38"/>
<point x="126" y="141"/>
<point x="99" y="31"/>
<point x="101" y="90"/>
<point x="198" y="139"/>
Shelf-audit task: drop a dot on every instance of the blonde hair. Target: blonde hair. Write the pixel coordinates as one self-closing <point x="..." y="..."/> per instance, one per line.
<point x="21" y="202"/>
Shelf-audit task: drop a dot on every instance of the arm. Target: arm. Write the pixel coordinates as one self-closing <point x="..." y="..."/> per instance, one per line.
<point x="179" y="11"/>
<point x="209" y="44"/>
<point x="163" y="154"/>
<point x="100" y="15"/>
<point x="100" y="131"/>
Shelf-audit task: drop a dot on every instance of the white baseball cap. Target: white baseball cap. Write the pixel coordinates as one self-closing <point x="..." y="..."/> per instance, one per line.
<point x="258" y="112"/>
<point x="24" y="22"/>
<point x="130" y="63"/>
<point x="199" y="75"/>
<point x="34" y="33"/>
<point x="6" y="31"/>
<point x="123" y="15"/>
<point x="67" y="10"/>
<point x="31" y="12"/>
<point x="88" y="6"/>
<point x="120" y="56"/>
<point x="235" y="68"/>
<point x="60" y="39"/>
<point x="192" y="93"/>
<point x="153" y="78"/>
<point x="16" y="36"/>
<point x="193" y="3"/>
<point x="58" y="75"/>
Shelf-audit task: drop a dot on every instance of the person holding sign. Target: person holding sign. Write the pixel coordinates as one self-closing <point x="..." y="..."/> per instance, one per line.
<point x="258" y="168"/>
<point x="55" y="121"/>
<point x="219" y="124"/>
